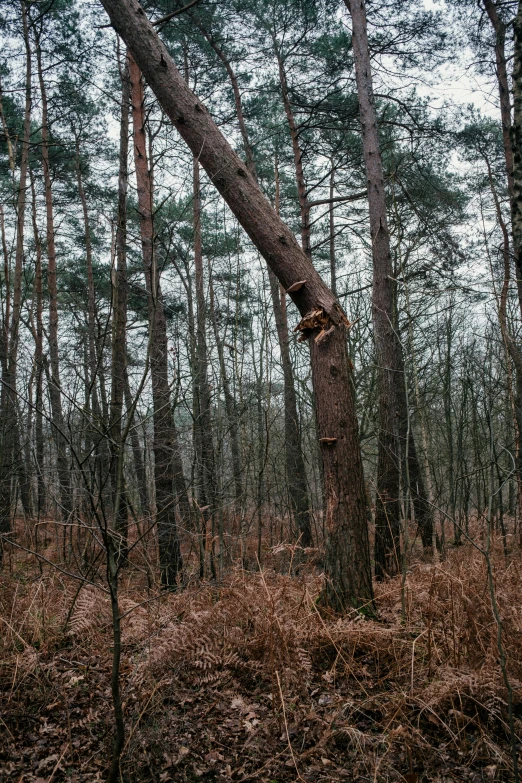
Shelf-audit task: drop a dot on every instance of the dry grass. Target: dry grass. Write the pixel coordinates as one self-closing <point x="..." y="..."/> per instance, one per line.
<point x="247" y="681"/>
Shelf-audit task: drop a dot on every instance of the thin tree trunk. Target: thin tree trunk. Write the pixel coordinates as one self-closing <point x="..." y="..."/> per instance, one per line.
<point x="203" y="421"/>
<point x="331" y="220"/>
<point x="511" y="127"/>
<point x="348" y="557"/>
<point x="168" y="472"/>
<point x="10" y="150"/>
<point x="512" y="139"/>
<point x="389" y="377"/>
<point x="294" y="462"/>
<point x="420" y="479"/>
<point x="516" y="144"/>
<point x="119" y="323"/>
<point x="510" y="346"/>
<point x="8" y="402"/>
<point x="6" y="305"/>
<point x="139" y="466"/>
<point x="261" y="444"/>
<point x="295" y="466"/>
<point x="448" y="415"/>
<point x="304" y="206"/>
<point x="230" y="406"/>
<point x="38" y="362"/>
<point x="503" y="88"/>
<point x="93" y="409"/>
<point x="55" y="388"/>
<point x="392" y="400"/>
<point x="249" y="153"/>
<point x="91" y="296"/>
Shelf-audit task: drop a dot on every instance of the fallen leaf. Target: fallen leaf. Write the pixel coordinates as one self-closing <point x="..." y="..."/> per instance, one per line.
<point x="47" y="761"/>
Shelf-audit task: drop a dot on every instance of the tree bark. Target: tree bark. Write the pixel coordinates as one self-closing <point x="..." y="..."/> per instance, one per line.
<point x="230" y="406"/>
<point x="516" y="144"/>
<point x="331" y="243"/>
<point x="139" y="466"/>
<point x="93" y="441"/>
<point x="8" y="401"/>
<point x="392" y="402"/>
<point x="119" y="323"/>
<point x="348" y="560"/>
<point x="295" y="465"/>
<point x="55" y="388"/>
<point x="503" y="88"/>
<point x="168" y="472"/>
<point x="510" y="346"/>
<point x="38" y="363"/>
<point x="387" y="513"/>
<point x="304" y="206"/>
<point x="204" y="430"/>
<point x="512" y="140"/>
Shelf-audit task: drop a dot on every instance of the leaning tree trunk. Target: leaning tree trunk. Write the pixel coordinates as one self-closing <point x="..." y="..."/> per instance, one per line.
<point x="168" y="472"/>
<point x="323" y="321"/>
<point x="392" y="401"/>
<point x="54" y="388"/>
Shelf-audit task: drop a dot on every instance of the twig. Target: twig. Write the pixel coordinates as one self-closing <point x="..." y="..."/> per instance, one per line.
<point x="413" y="655"/>
<point x="172" y="14"/>
<point x="64" y="751"/>
<point x="286" y="726"/>
<point x="158" y="684"/>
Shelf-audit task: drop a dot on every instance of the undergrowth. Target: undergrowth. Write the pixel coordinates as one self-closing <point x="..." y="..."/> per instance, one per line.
<point x="247" y="680"/>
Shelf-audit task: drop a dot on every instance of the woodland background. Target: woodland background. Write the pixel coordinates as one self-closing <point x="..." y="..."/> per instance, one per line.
<point x="178" y="599"/>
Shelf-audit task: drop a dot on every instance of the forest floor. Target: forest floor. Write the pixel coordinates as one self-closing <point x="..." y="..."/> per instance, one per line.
<point x="247" y="681"/>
